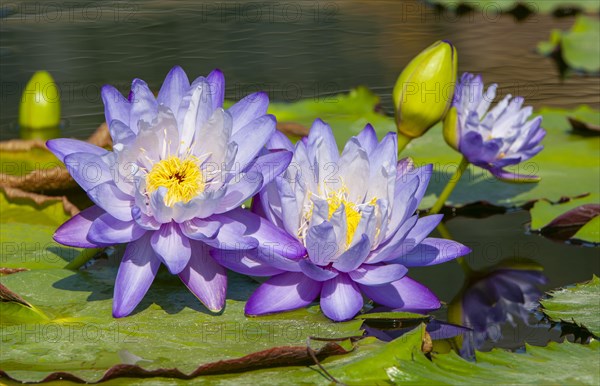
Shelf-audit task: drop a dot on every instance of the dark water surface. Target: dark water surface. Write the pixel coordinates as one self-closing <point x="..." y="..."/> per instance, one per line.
<point x="294" y="50"/>
<point x="299" y="49"/>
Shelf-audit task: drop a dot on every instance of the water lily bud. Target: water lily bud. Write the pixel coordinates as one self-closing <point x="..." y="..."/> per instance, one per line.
<point x="40" y="103"/>
<point x="423" y="92"/>
<point x="450" y="130"/>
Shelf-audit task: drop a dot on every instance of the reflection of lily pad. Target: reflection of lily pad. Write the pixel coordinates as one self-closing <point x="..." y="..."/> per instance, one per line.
<point x="579" y="47"/>
<point x="569" y="216"/>
<point x="541" y="6"/>
<point x="26" y="229"/>
<point x="579" y="305"/>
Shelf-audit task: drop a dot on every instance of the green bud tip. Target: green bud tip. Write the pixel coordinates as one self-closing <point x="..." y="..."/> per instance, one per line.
<point x="424" y="90"/>
<point x="40" y="103"/>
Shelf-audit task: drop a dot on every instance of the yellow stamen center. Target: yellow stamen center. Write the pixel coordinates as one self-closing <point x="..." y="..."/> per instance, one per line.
<point x="353" y="216"/>
<point x="181" y="177"/>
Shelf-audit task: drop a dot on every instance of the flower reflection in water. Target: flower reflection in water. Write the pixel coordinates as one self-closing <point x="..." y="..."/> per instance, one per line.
<point x="505" y="293"/>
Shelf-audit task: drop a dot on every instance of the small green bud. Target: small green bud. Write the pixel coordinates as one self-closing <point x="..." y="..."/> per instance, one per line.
<point x="424" y="90"/>
<point x="40" y="103"/>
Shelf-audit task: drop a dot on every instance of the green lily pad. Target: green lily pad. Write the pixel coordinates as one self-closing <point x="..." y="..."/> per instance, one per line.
<point x="556" y="364"/>
<point x="579" y="47"/>
<point x="578" y="305"/>
<point x="169" y="330"/>
<point x="26" y="230"/>
<point x="346" y="113"/>
<point x="590" y="232"/>
<point x="544" y="212"/>
<point x="541" y="6"/>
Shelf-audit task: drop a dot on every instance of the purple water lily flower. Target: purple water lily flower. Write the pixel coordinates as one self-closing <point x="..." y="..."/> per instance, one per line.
<point x="493" y="139"/>
<point x="502" y="294"/>
<point x="180" y="168"/>
<point x="347" y="227"/>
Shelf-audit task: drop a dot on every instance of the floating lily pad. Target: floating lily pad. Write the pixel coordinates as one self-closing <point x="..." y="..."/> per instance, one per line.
<point x="579" y="305"/>
<point x="556" y="364"/>
<point x="579" y="47"/>
<point x="590" y="232"/>
<point x="26" y="229"/>
<point x="171" y="329"/>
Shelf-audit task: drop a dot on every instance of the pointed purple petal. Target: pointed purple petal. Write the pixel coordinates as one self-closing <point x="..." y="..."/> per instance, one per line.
<point x="143" y="104"/>
<point x="216" y="79"/>
<point x="75" y="230"/>
<point x="243" y="262"/>
<point x="248" y="109"/>
<point x="354" y="256"/>
<point x="279" y="141"/>
<point x="116" y="106"/>
<point x="112" y="200"/>
<point x="432" y="251"/>
<point x="136" y="273"/>
<point x="108" y="230"/>
<point x="405" y="294"/>
<point x="340" y="298"/>
<point x="205" y="278"/>
<point x="315" y="272"/>
<point x="368" y="138"/>
<point x="173" y="89"/>
<point x="284" y="292"/>
<point x="271" y="164"/>
<point x="423" y="227"/>
<point x="243" y="187"/>
<point x="87" y="169"/>
<point x="172" y="247"/>
<point x="508" y="176"/>
<point x="378" y="274"/>
<point x="260" y="130"/>
<point x="63" y="147"/>
<point x="321" y="243"/>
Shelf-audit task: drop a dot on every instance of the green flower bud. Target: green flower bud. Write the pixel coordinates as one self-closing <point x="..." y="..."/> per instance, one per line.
<point x="40" y="103"/>
<point x="423" y="92"/>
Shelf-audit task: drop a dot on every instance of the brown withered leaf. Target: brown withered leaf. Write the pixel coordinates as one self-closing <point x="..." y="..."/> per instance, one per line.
<point x="273" y="357"/>
<point x="584" y="127"/>
<point x="575" y="217"/>
<point x="39" y="199"/>
<point x="292" y="129"/>
<point x="47" y="180"/>
<point x="10" y="271"/>
<point x="7" y="295"/>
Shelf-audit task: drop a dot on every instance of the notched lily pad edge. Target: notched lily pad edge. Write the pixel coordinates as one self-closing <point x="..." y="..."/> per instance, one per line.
<point x="274" y="357"/>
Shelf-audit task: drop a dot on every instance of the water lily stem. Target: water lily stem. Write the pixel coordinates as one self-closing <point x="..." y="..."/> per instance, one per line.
<point x="450" y="186"/>
<point x="85" y="256"/>
<point x="403" y="140"/>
